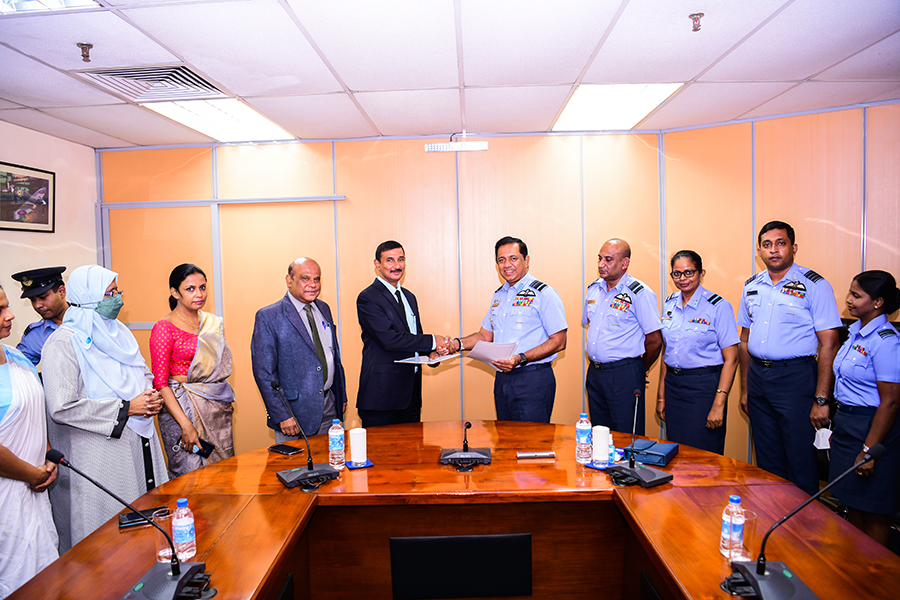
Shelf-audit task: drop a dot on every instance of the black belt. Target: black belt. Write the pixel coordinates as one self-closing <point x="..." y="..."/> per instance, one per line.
<point x="518" y="370"/>
<point x="782" y="363"/>
<point x="861" y="411"/>
<point x="695" y="371"/>
<point x="614" y="364"/>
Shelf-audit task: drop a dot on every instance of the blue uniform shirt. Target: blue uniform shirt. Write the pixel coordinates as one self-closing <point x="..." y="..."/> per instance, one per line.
<point x="527" y="313"/>
<point x="870" y="354"/>
<point x="783" y="319"/>
<point x="33" y="339"/>
<point x="696" y="333"/>
<point x="619" y="319"/>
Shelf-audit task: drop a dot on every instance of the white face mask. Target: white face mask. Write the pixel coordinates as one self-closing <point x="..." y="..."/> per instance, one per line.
<point x="823" y="439"/>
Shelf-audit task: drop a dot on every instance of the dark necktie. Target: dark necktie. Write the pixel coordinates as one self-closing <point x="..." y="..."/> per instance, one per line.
<point x="402" y="310"/>
<point x="320" y="350"/>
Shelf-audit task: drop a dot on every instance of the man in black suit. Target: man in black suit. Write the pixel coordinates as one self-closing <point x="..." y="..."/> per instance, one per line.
<point x="390" y="393"/>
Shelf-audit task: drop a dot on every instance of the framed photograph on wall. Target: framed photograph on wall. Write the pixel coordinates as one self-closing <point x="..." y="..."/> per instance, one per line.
<point x="27" y="198"/>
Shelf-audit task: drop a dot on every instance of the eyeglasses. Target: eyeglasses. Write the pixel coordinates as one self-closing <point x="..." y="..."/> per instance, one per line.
<point x="687" y="274"/>
<point x="114" y="293"/>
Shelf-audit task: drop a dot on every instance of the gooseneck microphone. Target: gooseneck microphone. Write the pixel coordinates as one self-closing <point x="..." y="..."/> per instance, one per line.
<point x="165" y="581"/>
<point x="637" y="400"/>
<point x="774" y="580"/>
<point x="314" y="475"/>
<point x="465" y="460"/>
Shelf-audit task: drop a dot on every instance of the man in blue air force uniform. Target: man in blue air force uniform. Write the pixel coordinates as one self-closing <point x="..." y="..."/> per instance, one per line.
<point x="623" y="339"/>
<point x="787" y="315"/>
<point x="47" y="292"/>
<point x="530" y="313"/>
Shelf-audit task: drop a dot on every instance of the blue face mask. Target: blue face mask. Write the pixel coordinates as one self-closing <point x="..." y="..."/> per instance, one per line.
<point x="110" y="306"/>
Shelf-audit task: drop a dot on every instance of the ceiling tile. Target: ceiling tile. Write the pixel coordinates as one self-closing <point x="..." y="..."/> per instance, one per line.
<point x="8" y="104"/>
<point x="332" y="116"/>
<point x="513" y="109"/>
<point x="419" y="112"/>
<point x="30" y="83"/>
<point x="39" y="121"/>
<point x="814" y="95"/>
<point x="530" y="42"/>
<point x="808" y="37"/>
<point x="893" y="94"/>
<point x="385" y="45"/>
<point x="140" y="126"/>
<point x="653" y="42"/>
<point x="252" y="48"/>
<point x="116" y="43"/>
<point x="704" y="103"/>
<point x="880" y="61"/>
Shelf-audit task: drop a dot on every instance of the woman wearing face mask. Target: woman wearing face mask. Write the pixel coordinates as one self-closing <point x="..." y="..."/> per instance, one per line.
<point x="191" y="361"/>
<point x="28" y="543"/>
<point x="867" y="388"/>
<point x="101" y="404"/>
<point x="700" y="357"/>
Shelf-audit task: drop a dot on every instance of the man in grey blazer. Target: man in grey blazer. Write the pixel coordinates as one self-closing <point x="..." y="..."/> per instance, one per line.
<point x="295" y="348"/>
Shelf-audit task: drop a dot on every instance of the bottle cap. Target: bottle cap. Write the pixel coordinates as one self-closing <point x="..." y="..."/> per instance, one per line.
<point x="734" y="499"/>
<point x="584" y="415"/>
<point x="335" y="421"/>
<point x="182" y="502"/>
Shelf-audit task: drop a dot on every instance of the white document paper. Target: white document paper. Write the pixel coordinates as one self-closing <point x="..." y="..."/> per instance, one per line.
<point x="424" y="360"/>
<point x="489" y="351"/>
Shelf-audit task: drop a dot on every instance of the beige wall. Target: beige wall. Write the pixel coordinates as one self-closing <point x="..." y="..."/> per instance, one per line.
<point x="75" y="241"/>
<point x="564" y="195"/>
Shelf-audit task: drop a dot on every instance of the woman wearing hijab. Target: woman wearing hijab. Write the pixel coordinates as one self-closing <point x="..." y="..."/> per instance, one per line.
<point x="101" y="405"/>
<point x="28" y="540"/>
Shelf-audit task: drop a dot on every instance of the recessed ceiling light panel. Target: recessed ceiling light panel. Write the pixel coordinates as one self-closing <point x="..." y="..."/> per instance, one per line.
<point x="614" y="107"/>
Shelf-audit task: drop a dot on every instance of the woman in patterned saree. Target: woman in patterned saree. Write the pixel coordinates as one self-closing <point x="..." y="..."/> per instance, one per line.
<point x="191" y="362"/>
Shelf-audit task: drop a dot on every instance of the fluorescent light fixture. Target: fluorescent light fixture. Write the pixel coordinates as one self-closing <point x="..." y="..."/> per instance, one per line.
<point x="227" y="120"/>
<point x="612" y="107"/>
<point x="11" y="6"/>
<point x="456" y="146"/>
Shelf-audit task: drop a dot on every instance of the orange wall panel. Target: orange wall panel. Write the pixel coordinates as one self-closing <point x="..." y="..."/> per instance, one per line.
<point x="259" y="241"/>
<point x="708" y="193"/>
<point x="146" y="244"/>
<point x="275" y="170"/>
<point x="395" y="191"/>
<point x="883" y="186"/>
<point x="809" y="174"/>
<point x="527" y="188"/>
<point x="156" y="175"/>
<point x="621" y="200"/>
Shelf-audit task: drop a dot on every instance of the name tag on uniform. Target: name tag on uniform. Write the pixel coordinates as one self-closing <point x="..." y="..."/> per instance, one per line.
<point x="591" y="301"/>
<point x="622" y="301"/>
<point x="794" y="288"/>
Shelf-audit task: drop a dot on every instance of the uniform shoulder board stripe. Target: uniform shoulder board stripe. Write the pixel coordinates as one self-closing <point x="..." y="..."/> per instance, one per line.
<point x="635" y="286"/>
<point x="813" y="276"/>
<point x="499" y="288"/>
<point x="538" y="285"/>
<point x="749" y="281"/>
<point x="672" y="295"/>
<point x="715" y="299"/>
<point x="30" y="327"/>
<point x="886" y="333"/>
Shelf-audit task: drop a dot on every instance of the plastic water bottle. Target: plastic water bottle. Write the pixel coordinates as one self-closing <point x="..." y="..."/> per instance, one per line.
<point x="612" y="451"/>
<point x="731" y="540"/>
<point x="583" y="440"/>
<point x="183" y="533"/>
<point x="336" y="445"/>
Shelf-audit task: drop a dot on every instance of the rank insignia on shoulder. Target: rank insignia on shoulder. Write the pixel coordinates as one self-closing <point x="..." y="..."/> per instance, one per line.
<point x="714" y="299"/>
<point x="672" y="296"/>
<point x="813" y="276"/>
<point x="749" y="281"/>
<point x="538" y="285"/>
<point x="499" y="288"/>
<point x="30" y="327"/>
<point x="887" y="333"/>
<point x="635" y="286"/>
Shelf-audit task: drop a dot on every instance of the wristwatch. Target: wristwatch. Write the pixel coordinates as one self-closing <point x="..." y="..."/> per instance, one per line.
<point x="523" y="361"/>
<point x="821" y="400"/>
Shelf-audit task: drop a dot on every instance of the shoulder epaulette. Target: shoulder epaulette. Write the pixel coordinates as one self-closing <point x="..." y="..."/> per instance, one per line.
<point x="749" y="281"/>
<point x="30" y="327"/>
<point x="887" y="333"/>
<point x="813" y="276"/>
<point x="537" y="285"/>
<point x="671" y="296"/>
<point x="499" y="288"/>
<point x="636" y="286"/>
<point x="714" y="299"/>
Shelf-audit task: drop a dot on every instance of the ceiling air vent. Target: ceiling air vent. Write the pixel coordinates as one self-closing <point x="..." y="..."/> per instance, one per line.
<point x="154" y="84"/>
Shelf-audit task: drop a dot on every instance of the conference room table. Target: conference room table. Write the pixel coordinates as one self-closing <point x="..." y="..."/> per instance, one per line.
<point x="589" y="538"/>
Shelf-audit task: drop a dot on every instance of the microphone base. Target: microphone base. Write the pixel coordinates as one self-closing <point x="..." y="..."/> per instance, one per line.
<point x="159" y="583"/>
<point x="778" y="583"/>
<point x="303" y="476"/>
<point x="645" y="476"/>
<point x="465" y="461"/>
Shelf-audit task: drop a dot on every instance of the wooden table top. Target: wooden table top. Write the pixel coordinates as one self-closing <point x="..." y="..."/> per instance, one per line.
<point x="239" y="504"/>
